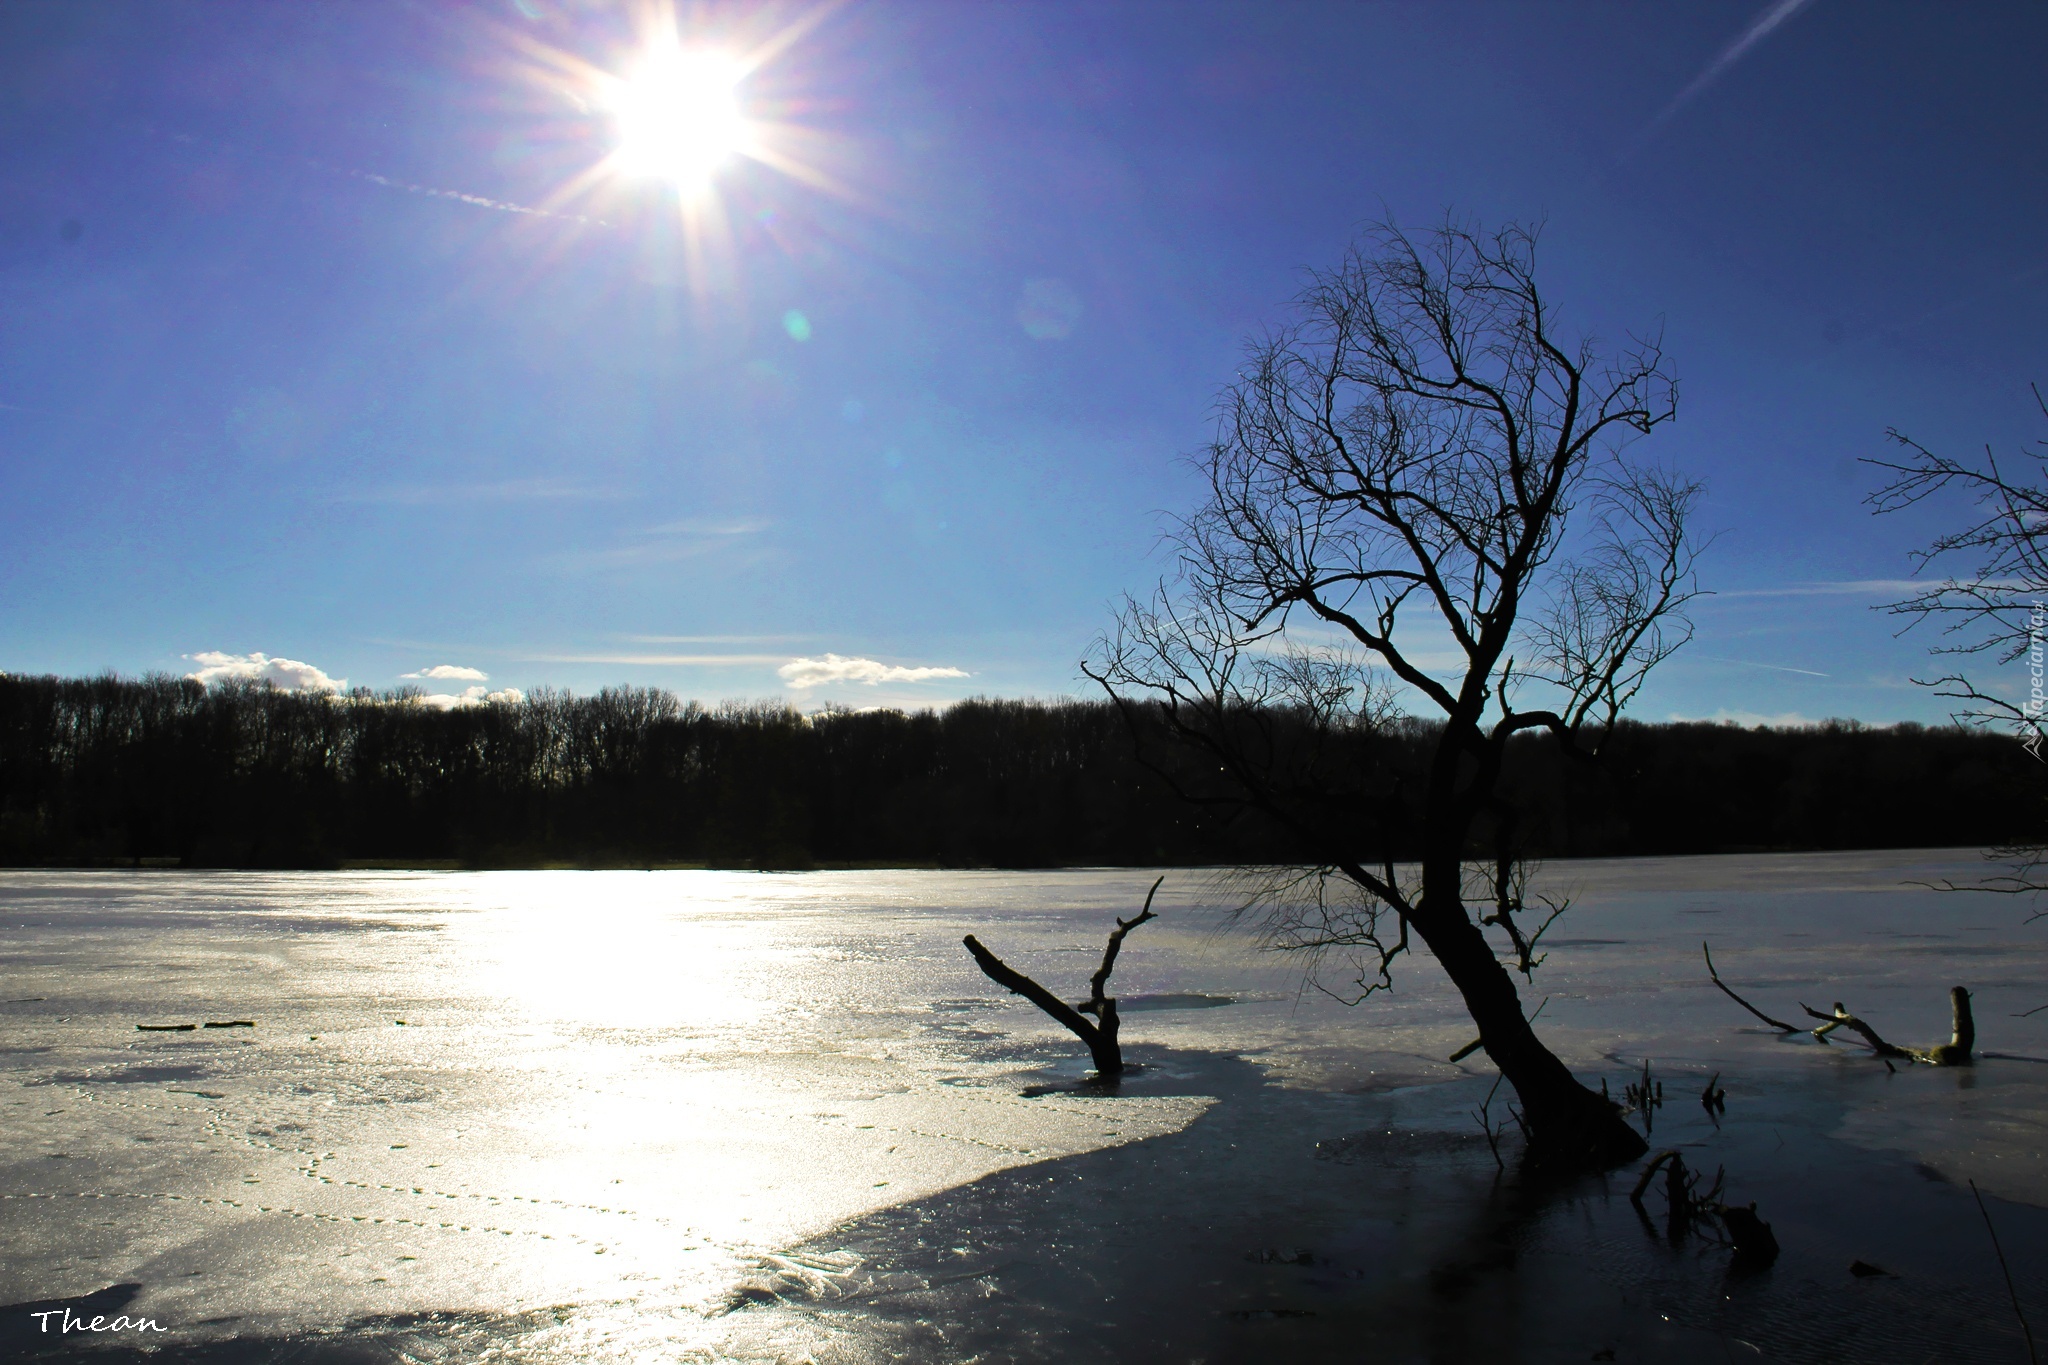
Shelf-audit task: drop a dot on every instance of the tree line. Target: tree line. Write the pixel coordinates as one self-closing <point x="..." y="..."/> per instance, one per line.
<point x="165" y="771"/>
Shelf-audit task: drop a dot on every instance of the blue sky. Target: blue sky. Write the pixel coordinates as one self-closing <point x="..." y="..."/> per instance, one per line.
<point x="326" y="334"/>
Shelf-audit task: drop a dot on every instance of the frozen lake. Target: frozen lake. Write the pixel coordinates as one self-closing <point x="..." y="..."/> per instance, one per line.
<point x="571" y="1116"/>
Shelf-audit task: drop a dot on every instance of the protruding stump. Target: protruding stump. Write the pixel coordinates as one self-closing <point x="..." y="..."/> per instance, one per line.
<point x="1100" y="1034"/>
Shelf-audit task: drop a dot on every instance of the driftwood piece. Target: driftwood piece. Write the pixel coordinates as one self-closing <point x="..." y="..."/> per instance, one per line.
<point x="1778" y="1024"/>
<point x="1100" y="1034"/>
<point x="1957" y="1051"/>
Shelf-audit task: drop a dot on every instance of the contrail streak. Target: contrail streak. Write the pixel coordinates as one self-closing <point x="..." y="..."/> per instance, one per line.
<point x="1765" y="23"/>
<point x="458" y="196"/>
<point x="1751" y="663"/>
<point x="383" y="181"/>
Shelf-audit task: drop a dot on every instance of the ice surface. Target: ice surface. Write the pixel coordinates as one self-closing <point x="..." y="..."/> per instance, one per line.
<point x="584" y="1116"/>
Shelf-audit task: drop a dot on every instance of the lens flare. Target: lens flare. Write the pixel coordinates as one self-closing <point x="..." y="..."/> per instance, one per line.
<point x="684" y="132"/>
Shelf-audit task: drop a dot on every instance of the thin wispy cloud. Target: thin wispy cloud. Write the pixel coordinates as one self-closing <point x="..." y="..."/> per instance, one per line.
<point x="289" y="675"/>
<point x="712" y="639"/>
<point x="709" y="526"/>
<point x="669" y="543"/>
<point x="661" y="660"/>
<point x="837" y="668"/>
<point x="503" y="490"/>
<point x="1769" y="21"/>
<point x="1860" y="587"/>
<point x="666" y="551"/>
<point x="443" y="671"/>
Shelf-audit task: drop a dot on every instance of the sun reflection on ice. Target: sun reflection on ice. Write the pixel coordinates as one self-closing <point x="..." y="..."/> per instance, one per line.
<point x="629" y="956"/>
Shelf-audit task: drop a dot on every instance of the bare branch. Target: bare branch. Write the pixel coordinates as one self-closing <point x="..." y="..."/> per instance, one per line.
<point x="1777" y="1024"/>
<point x="1093" y="1004"/>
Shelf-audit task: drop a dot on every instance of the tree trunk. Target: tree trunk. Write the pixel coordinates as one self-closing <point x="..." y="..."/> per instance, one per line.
<point x="1568" y="1124"/>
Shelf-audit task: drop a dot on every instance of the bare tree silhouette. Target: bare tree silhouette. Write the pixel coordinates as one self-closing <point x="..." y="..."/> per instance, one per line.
<point x="1417" y="494"/>
<point x="1997" y="606"/>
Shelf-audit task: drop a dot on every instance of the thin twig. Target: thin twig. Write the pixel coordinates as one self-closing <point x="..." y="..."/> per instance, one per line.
<point x="2006" y="1270"/>
<point x="1778" y="1024"/>
<point x="1466" y="1051"/>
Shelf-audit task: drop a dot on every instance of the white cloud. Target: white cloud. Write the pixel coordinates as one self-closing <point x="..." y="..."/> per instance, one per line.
<point x="450" y="671"/>
<point x="288" y="674"/>
<point x="472" y="696"/>
<point x="835" y="668"/>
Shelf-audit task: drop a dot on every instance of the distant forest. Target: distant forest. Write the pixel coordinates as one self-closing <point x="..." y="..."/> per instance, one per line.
<point x="163" y="771"/>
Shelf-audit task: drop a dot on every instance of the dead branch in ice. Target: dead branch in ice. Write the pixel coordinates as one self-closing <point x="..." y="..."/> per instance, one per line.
<point x="1957" y="1051"/>
<point x="1100" y="1034"/>
<point x="1841" y="1018"/>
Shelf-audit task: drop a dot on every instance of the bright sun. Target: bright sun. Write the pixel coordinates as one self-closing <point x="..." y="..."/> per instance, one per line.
<point x="678" y="116"/>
